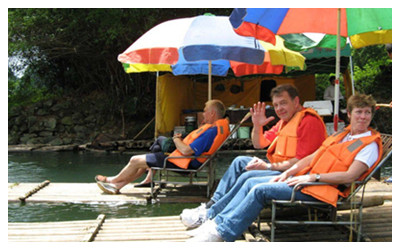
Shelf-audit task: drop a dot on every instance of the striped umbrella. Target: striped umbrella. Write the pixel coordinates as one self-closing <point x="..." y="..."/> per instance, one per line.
<point x="363" y="27"/>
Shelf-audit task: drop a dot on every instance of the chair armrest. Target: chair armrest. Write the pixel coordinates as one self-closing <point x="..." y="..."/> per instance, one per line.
<point x="182" y="157"/>
<point x="301" y="185"/>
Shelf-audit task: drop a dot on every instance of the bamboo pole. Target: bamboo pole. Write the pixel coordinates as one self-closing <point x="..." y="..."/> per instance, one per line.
<point x="33" y="191"/>
<point x="389" y="105"/>
<point x="94" y="229"/>
<point x="143" y="129"/>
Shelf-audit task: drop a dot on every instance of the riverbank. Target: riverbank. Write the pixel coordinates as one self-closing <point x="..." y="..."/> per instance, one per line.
<point x="65" y="121"/>
<point x="117" y="146"/>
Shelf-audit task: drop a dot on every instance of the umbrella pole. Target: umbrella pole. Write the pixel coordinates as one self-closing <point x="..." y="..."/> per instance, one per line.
<point x="337" y="75"/>
<point x="352" y="76"/>
<point x="209" y="80"/>
<point x="157" y="105"/>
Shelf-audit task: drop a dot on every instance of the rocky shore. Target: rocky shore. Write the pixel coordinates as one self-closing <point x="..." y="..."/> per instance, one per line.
<point x="81" y="125"/>
<point x="69" y="124"/>
<point x="119" y="146"/>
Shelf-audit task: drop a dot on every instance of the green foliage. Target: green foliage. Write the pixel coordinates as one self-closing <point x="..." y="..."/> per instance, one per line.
<point x="73" y="52"/>
<point x="22" y="94"/>
<point x="372" y="75"/>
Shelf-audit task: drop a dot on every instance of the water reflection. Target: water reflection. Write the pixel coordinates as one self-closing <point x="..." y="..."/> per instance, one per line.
<point x="44" y="212"/>
<point x="81" y="168"/>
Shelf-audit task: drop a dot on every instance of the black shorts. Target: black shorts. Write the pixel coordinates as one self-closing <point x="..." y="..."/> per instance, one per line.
<point x="157" y="160"/>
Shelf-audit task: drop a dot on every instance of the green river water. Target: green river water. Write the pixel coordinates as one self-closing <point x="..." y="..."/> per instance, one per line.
<point x="81" y="167"/>
<point x="78" y="167"/>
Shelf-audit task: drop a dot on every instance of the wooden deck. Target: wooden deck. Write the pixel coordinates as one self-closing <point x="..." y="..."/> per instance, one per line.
<point x="90" y="193"/>
<point x="377" y="218"/>
<point x="376" y="193"/>
<point x="377" y="227"/>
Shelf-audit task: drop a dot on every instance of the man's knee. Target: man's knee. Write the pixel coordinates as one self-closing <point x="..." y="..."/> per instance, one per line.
<point x="240" y="158"/>
<point x="135" y="160"/>
<point x="240" y="162"/>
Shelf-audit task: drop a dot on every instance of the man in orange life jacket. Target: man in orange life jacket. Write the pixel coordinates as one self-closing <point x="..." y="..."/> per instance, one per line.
<point x="299" y="133"/>
<point x="343" y="158"/>
<point x="204" y="140"/>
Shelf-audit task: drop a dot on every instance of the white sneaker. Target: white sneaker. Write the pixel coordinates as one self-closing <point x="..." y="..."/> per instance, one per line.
<point x="203" y="227"/>
<point x="194" y="217"/>
<point x="209" y="235"/>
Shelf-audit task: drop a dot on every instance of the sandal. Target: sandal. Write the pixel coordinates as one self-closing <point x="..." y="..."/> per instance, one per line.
<point x="107" y="188"/>
<point x="100" y="178"/>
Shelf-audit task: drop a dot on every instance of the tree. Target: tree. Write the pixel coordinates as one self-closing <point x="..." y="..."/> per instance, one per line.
<point x="373" y="76"/>
<point x="74" y="52"/>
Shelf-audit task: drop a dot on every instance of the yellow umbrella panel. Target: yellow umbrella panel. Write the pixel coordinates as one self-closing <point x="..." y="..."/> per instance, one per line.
<point x="141" y="67"/>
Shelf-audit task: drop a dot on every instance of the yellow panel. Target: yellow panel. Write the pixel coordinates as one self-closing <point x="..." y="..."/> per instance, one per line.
<point x="177" y="93"/>
<point x="138" y="67"/>
<point x="371" y="38"/>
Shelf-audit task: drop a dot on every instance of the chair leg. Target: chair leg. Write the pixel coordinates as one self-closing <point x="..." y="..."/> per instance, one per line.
<point x="359" y="232"/>
<point x="151" y="184"/>
<point x="209" y="177"/>
<point x="333" y="214"/>
<point x="273" y="215"/>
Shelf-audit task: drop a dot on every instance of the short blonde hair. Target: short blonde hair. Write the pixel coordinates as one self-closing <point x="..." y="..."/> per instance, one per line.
<point x="361" y="101"/>
<point x="218" y="106"/>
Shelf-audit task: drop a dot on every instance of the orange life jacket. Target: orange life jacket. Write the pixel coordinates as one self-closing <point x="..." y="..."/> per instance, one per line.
<point x="334" y="156"/>
<point x="223" y="132"/>
<point x="284" y="146"/>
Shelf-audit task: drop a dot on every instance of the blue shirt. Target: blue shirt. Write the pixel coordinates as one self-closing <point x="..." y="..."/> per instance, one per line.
<point x="203" y="144"/>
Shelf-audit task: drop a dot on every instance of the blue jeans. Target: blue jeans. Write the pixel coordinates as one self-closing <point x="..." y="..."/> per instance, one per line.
<point x="244" y="208"/>
<point x="235" y="170"/>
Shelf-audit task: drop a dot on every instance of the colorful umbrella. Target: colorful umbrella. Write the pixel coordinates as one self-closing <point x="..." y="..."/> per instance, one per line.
<point x="200" y="38"/>
<point x="362" y="26"/>
<point x="276" y="57"/>
<point x="204" y="45"/>
<point x="141" y="67"/>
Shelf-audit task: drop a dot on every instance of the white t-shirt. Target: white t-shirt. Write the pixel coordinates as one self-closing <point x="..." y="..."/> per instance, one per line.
<point x="369" y="154"/>
<point x="329" y="93"/>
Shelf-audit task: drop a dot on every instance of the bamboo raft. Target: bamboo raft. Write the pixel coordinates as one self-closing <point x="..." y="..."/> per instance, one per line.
<point x="377" y="218"/>
<point x="377" y="227"/>
<point x="90" y="193"/>
<point x="376" y="193"/>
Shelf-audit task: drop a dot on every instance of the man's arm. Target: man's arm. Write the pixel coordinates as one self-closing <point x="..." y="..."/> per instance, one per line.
<point x="295" y="168"/>
<point x="284" y="165"/>
<point x="182" y="147"/>
<point x="258" y="139"/>
<point x="258" y="164"/>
